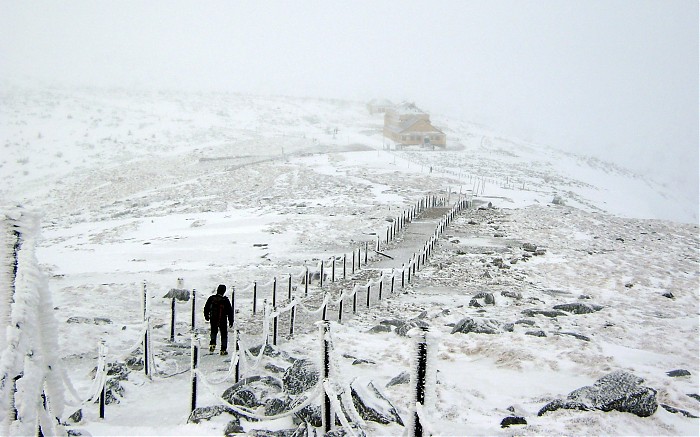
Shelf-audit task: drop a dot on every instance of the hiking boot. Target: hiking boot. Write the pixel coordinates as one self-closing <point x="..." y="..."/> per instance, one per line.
<point x="224" y="353"/>
<point x="212" y="347"/>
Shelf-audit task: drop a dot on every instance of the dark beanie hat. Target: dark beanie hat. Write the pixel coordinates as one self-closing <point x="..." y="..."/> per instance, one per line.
<point x="221" y="289"/>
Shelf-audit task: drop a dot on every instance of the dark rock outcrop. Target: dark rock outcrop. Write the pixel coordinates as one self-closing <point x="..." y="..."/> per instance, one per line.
<point x="678" y="372"/>
<point x="178" y="294"/>
<point x="477" y="326"/>
<point x="233" y="427"/>
<point x="512" y="294"/>
<point x="619" y="391"/>
<point x="547" y="313"/>
<point x="373" y="405"/>
<point x="578" y="308"/>
<point x="300" y="377"/>
<point x="675" y="410"/>
<point x="513" y="420"/>
<point x="482" y="299"/>
<point x="538" y="333"/>
<point x="380" y="328"/>
<point x="410" y="324"/>
<point x="401" y="378"/>
<point x="574" y="334"/>
<point x="206" y="413"/>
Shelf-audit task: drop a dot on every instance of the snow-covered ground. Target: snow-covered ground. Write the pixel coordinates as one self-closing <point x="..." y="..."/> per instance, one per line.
<point x="146" y="188"/>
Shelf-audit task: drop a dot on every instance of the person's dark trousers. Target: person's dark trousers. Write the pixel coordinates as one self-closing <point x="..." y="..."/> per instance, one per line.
<point x="215" y="327"/>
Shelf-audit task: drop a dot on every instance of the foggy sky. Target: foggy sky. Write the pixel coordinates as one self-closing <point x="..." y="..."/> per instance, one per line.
<point x="615" y="79"/>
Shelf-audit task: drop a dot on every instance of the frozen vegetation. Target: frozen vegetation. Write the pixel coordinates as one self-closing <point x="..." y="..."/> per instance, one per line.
<point x="577" y="286"/>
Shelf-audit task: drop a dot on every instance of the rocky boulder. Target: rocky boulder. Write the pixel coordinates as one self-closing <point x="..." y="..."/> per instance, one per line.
<point x="372" y="405"/>
<point x="178" y="294"/>
<point x="619" y="391"/>
<point x="206" y="413"/>
<point x="477" y="326"/>
<point x="301" y="376"/>
<point x="546" y="313"/>
<point x="578" y="307"/>
<point x="482" y="299"/>
<point x="410" y="324"/>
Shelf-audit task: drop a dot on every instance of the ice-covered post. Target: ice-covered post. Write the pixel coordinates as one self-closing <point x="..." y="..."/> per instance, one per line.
<point x="146" y="370"/>
<point x="172" y="319"/>
<point x="366" y="250"/>
<point x="340" y="310"/>
<point x="344" y="262"/>
<point x="194" y="308"/>
<point x="381" y="284"/>
<point x="274" y="292"/>
<point x="292" y="314"/>
<point x="359" y="258"/>
<point x="353" y="262"/>
<point x="289" y="288"/>
<point x="306" y="281"/>
<point x="420" y="378"/>
<point x="393" y="278"/>
<point x="103" y="359"/>
<point x="321" y="274"/>
<point x="325" y="328"/>
<point x="403" y="274"/>
<point x="354" y="299"/>
<point x="369" y="291"/>
<point x="333" y="270"/>
<point x="193" y="370"/>
<point x="180" y="286"/>
<point x="255" y="297"/>
<point x="237" y="349"/>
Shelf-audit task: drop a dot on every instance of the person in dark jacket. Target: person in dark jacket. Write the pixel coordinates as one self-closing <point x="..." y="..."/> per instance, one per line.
<point x="218" y="312"/>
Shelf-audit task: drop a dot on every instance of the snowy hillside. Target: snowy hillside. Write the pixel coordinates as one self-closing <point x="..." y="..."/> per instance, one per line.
<point x="145" y="188"/>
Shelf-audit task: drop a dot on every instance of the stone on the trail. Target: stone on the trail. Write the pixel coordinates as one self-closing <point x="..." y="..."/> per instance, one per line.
<point x="372" y="404"/>
<point x="101" y="321"/>
<point x="508" y="327"/>
<point x="113" y="391"/>
<point x="678" y="372"/>
<point x="277" y="433"/>
<point x="76" y="417"/>
<point x="310" y="414"/>
<point x="135" y="362"/>
<point x="477" y="326"/>
<point x="538" y="333"/>
<point x="393" y="322"/>
<point x="525" y="322"/>
<point x="269" y="351"/>
<point x="241" y="396"/>
<point x="512" y="294"/>
<point x="669" y="295"/>
<point x="558" y="200"/>
<point x="576" y="335"/>
<point x="300" y="377"/>
<point x="410" y="324"/>
<point x="513" y="420"/>
<point x="578" y="307"/>
<point x="206" y="413"/>
<point x="359" y="361"/>
<point x="380" y="328"/>
<point x="401" y="378"/>
<point x="483" y="298"/>
<point x="275" y="406"/>
<point x="179" y="294"/>
<point x="233" y="427"/>
<point x="89" y="320"/>
<point x="675" y="410"/>
<point x="529" y="247"/>
<point x="547" y="313"/>
<point x="619" y="391"/>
